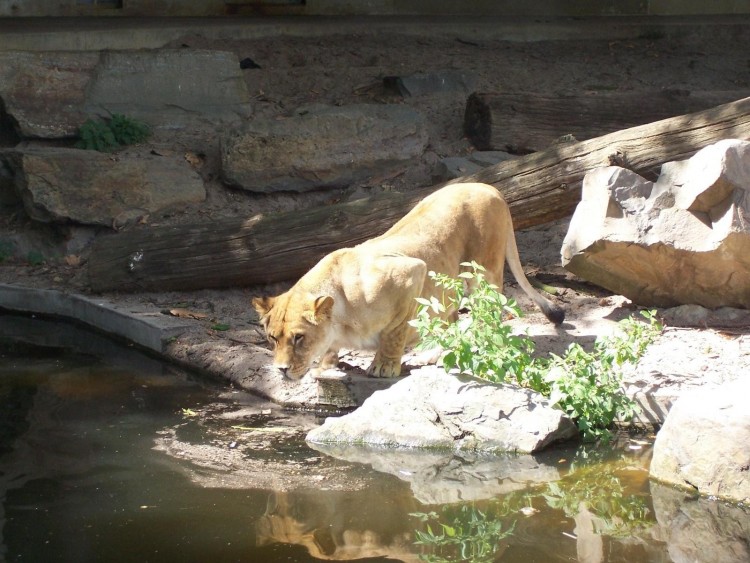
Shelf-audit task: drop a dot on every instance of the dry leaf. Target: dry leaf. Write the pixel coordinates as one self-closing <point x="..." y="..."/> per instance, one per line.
<point x="193" y="159"/>
<point x="73" y="260"/>
<point x="185" y="314"/>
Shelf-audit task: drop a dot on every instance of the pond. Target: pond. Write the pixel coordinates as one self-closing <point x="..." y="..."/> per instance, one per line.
<point x="110" y="455"/>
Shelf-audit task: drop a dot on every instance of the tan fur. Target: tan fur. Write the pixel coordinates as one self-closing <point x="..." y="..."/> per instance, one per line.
<point x="363" y="297"/>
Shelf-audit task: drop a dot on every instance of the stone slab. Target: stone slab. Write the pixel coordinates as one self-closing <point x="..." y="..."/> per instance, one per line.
<point x="322" y="147"/>
<point x="51" y="94"/>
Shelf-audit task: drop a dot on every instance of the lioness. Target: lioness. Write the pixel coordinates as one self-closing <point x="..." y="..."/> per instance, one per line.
<point x="363" y="297"/>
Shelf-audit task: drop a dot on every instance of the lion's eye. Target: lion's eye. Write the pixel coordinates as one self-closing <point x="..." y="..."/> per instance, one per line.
<point x="272" y="340"/>
<point x="297" y="339"/>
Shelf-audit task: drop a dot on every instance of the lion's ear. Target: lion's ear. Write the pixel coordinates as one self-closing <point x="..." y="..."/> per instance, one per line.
<point x="320" y="310"/>
<point x="263" y="305"/>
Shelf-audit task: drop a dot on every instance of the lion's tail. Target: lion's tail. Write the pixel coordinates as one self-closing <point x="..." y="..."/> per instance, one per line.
<point x="552" y="311"/>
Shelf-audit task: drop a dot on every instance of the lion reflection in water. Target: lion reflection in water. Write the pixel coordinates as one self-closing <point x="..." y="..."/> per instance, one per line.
<point x="336" y="525"/>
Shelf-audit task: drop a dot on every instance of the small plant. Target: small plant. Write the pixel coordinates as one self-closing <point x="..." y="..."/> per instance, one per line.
<point x="128" y="131"/>
<point x="96" y="136"/>
<point x="471" y="535"/>
<point x="106" y="136"/>
<point x="6" y="250"/>
<point x="586" y="385"/>
<point x="478" y="343"/>
<point x="35" y="258"/>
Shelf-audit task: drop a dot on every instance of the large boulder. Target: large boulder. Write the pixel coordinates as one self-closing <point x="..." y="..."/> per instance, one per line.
<point x="704" y="444"/>
<point x="322" y="147"/>
<point x="680" y="240"/>
<point x="170" y="86"/>
<point x="45" y="93"/>
<point x="432" y="409"/>
<point x="88" y="187"/>
<point x="50" y="94"/>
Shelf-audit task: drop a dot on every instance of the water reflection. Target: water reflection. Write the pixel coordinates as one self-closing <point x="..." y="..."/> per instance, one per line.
<point x="341" y="526"/>
<point x="444" y="477"/>
<point x="98" y="462"/>
<point x="698" y="529"/>
<point x="590" y="514"/>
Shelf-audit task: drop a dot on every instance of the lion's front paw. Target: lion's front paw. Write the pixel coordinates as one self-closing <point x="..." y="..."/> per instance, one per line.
<point x="384" y="367"/>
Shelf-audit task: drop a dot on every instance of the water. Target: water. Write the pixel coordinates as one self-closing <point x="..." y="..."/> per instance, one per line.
<point x="108" y="455"/>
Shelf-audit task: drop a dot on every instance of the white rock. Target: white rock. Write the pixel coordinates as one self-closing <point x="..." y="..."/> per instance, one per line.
<point x="681" y="240"/>
<point x="431" y="409"/>
<point x="704" y="444"/>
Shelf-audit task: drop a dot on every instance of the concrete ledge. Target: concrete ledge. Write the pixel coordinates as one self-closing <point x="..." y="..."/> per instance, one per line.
<point x="149" y="329"/>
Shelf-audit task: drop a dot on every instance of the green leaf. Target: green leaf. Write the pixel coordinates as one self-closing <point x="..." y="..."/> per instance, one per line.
<point x="449" y="530"/>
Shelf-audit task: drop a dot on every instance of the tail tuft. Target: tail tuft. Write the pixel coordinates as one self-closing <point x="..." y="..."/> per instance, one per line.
<point x="555" y="314"/>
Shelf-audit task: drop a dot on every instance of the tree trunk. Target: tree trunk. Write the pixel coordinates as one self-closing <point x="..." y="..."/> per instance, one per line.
<point x="539" y="187"/>
<point x="522" y="122"/>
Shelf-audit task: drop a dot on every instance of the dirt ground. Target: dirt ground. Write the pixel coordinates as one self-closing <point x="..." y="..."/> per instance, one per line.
<point x="345" y="69"/>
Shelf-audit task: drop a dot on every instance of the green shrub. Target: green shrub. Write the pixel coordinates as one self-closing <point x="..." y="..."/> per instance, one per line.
<point x="478" y="342"/>
<point x="586" y="385"/>
<point x="128" y="131"/>
<point x="96" y="136"/>
<point x="106" y="136"/>
<point x="6" y="250"/>
<point x="35" y="258"/>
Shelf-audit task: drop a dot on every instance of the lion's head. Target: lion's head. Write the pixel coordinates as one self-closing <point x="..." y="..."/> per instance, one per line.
<point x="298" y="325"/>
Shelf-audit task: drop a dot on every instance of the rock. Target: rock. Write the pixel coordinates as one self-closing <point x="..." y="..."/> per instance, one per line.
<point x="453" y="167"/>
<point x="322" y="147"/>
<point x="444" y="477"/>
<point x="699" y="529"/>
<point x="704" y="443"/>
<point x="681" y="240"/>
<point x="341" y="390"/>
<point x="50" y="94"/>
<point x="490" y="158"/>
<point x="59" y="184"/>
<point x="429" y="83"/>
<point x="697" y="316"/>
<point x="674" y="365"/>
<point x="431" y="409"/>
<point x="45" y="93"/>
<point x="170" y="86"/>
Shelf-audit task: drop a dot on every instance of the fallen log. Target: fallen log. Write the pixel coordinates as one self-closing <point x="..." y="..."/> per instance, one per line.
<point x="539" y="187"/>
<point x="524" y="122"/>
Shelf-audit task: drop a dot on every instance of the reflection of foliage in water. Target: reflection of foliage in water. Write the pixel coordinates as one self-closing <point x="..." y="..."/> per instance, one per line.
<point x="472" y="535"/>
<point x="603" y="495"/>
<point x="594" y="484"/>
<point x="466" y="533"/>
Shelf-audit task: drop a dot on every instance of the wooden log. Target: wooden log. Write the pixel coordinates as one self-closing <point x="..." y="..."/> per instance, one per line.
<point x="524" y="122"/>
<point x="539" y="187"/>
<point x="238" y="252"/>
